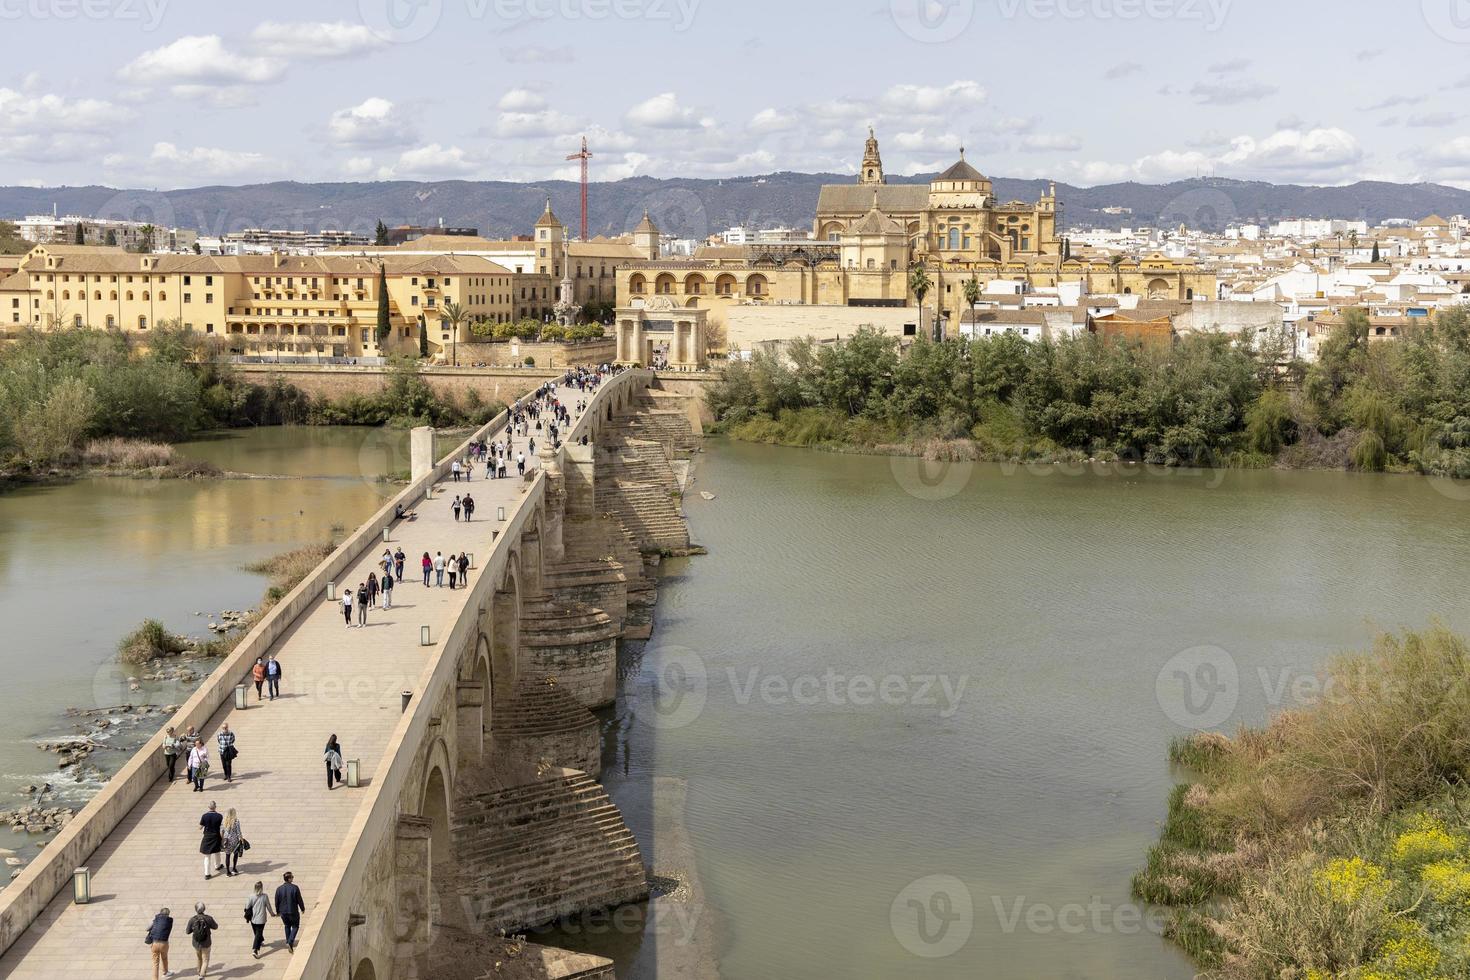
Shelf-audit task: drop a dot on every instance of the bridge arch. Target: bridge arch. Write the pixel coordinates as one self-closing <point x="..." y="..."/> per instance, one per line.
<point x="365" y="970"/>
<point x="505" y="618"/>
<point x="434" y="803"/>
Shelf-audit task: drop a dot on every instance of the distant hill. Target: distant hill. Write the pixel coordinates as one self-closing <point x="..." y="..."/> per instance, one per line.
<point x="697" y="207"/>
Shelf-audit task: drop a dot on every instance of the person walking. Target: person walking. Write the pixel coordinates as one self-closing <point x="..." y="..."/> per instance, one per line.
<point x="428" y="567"/>
<point x="258" y="912"/>
<point x="171" y="752"/>
<point x="333" y="757"/>
<point x="362" y="603"/>
<point x="289" y="906"/>
<point x="157" y="940"/>
<point x="232" y="837"/>
<point x="452" y="567"/>
<point x="372" y="586"/>
<point x="227" y="751"/>
<point x="469" y="508"/>
<point x="211" y="842"/>
<point x="198" y="765"/>
<point x="455" y="507"/>
<point x="502" y="467"/>
<point x="464" y="570"/>
<point x="273" y="675"/>
<point x="398" y="558"/>
<point x="347" y="606"/>
<point x="257" y="674"/>
<point x="186" y="746"/>
<point x="387" y="590"/>
<point x="439" y="569"/>
<point x="521" y="463"/>
<point x="454" y="469"/>
<point x="199" y="929"/>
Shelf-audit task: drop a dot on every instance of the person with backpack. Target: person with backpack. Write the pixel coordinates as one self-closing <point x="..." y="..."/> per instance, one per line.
<point x="333" y="757"/>
<point x="157" y="940"/>
<point x="258" y="912"/>
<point x="199" y="929"/>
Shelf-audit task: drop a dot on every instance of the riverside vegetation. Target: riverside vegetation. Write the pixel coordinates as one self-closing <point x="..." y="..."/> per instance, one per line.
<point x="1206" y="400"/>
<point x="81" y="399"/>
<point x="1334" y="843"/>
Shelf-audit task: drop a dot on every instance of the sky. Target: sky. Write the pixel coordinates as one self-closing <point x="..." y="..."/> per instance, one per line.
<point x="177" y="93"/>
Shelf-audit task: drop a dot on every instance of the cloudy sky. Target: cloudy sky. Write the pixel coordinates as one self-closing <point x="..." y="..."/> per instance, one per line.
<point x="169" y="93"/>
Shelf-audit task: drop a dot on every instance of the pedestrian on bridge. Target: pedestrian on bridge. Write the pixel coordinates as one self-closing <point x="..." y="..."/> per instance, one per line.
<point x="464" y="570"/>
<point x="387" y="590"/>
<point x="455" y="507"/>
<point x="258" y="912"/>
<point x="157" y="940"/>
<point x="347" y="606"/>
<point x="289" y="906"/>
<point x="171" y="744"/>
<point x="454" y="470"/>
<point x="257" y="674"/>
<point x="521" y="463"/>
<point x="398" y="564"/>
<point x="211" y="842"/>
<point x="452" y="567"/>
<point x="362" y="603"/>
<point x="372" y="585"/>
<point x="199" y="929"/>
<point x="227" y="751"/>
<point x="232" y="836"/>
<point x="469" y="508"/>
<point x="333" y="756"/>
<point x="198" y="765"/>
<point x="428" y="567"/>
<point x="438" y="569"/>
<point x="273" y="675"/>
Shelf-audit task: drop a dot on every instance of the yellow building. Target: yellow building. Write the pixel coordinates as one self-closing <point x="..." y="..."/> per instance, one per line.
<point x="869" y="234"/>
<point x="325" y="305"/>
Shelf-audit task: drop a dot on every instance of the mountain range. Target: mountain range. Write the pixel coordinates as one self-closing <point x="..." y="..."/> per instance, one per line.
<point x="695" y="208"/>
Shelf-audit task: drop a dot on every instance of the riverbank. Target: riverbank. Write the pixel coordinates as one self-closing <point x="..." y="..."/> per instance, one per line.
<point x="1334" y="839"/>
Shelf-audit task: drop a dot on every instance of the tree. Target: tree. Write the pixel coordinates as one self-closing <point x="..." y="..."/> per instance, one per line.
<point x="423" y="337"/>
<point x="1066" y="249"/>
<point x="382" y="234"/>
<point x="972" y="297"/>
<point x="385" y="323"/>
<point x="1376" y="256"/>
<point x="81" y="234"/>
<point x="10" y="241"/>
<point x="112" y="237"/>
<point x="454" y="314"/>
<point x="145" y="238"/>
<point x="1353" y="239"/>
<point x="919" y="285"/>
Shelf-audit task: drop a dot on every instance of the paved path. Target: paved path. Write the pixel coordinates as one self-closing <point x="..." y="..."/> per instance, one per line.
<point x="337" y="680"/>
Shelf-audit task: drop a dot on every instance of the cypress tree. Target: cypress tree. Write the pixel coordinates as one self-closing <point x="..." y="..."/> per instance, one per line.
<point x="423" y="337"/>
<point x="382" y="238"/>
<point x="385" y="326"/>
<point x="81" y="235"/>
<point x="1376" y="256"/>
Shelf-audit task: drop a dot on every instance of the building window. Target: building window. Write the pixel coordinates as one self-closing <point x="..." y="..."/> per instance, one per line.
<point x="188" y="297"/>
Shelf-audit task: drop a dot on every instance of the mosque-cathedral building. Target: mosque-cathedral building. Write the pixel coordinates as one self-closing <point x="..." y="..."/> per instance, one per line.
<point x="866" y="236"/>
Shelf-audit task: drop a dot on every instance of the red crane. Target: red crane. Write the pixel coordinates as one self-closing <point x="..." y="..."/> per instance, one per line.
<point x="584" y="156"/>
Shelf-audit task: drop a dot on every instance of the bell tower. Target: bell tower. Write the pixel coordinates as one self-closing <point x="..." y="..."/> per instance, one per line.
<point x="872" y="170"/>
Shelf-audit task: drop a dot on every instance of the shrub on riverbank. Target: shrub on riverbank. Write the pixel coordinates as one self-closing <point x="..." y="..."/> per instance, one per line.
<point x="1336" y="839"/>
<point x="1207" y="400"/>
<point x="286" y="570"/>
<point x="150" y="641"/>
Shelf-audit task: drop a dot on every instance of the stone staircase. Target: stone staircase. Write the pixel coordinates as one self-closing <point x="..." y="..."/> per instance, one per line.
<point x="541" y="724"/>
<point x="651" y="422"/>
<point x="647" y="511"/>
<point x="531" y="854"/>
<point x="604" y="539"/>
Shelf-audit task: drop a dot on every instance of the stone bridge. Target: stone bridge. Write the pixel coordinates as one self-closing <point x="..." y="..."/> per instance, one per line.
<point x="465" y="714"/>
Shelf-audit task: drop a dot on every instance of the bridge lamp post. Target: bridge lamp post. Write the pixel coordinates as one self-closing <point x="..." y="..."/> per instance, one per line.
<point x="354" y="767"/>
<point x="425" y="640"/>
<point x="81" y="886"/>
<point x="240" y="697"/>
<point x="407" y="696"/>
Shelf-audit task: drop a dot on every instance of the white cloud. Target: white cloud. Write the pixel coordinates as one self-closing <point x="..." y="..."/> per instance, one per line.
<point x="210" y="161"/>
<point x="1316" y="154"/>
<point x="55" y="113"/>
<point x="338" y="39"/>
<point x="521" y="100"/>
<point x="663" y="111"/>
<point x="920" y="141"/>
<point x="373" y="122"/>
<point x="200" y="59"/>
<point x="930" y="99"/>
<point x="534" y="125"/>
<point x="357" y="166"/>
<point x="1230" y="93"/>
<point x="772" y="121"/>
<point x="1432" y="120"/>
<point x="1394" y="102"/>
<point x="431" y="161"/>
<point x="1050" y="142"/>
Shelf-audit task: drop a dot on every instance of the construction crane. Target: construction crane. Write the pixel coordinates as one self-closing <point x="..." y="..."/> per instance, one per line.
<point x="584" y="156"/>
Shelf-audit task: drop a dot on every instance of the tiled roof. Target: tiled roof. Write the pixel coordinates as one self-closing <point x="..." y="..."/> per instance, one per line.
<point x="901" y="199"/>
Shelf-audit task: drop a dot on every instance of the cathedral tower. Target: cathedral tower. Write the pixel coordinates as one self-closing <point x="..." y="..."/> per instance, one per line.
<point x="872" y="170"/>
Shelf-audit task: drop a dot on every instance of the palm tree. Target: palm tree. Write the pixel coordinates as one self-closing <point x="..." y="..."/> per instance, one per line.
<point x="919" y="285"/>
<point x="145" y="238"/>
<point x="972" y="297"/>
<point x="454" y="314"/>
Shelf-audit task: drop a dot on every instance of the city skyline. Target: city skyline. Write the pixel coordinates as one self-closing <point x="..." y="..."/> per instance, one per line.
<point x="149" y="93"/>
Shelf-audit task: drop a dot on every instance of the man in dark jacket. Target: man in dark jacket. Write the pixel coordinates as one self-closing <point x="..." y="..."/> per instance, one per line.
<point x="199" y="929"/>
<point x="289" y="906"/>
<point x="157" y="940"/>
<point x="273" y="675"/>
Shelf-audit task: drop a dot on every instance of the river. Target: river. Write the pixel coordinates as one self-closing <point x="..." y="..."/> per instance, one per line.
<point x="878" y="696"/>
<point x="823" y="817"/>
